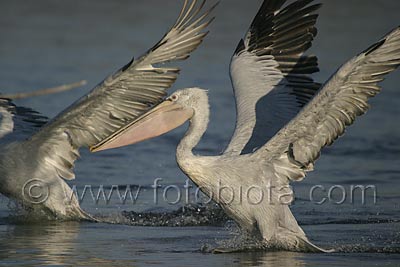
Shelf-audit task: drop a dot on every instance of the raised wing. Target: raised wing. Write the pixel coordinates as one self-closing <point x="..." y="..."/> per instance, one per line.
<point x="344" y="97"/>
<point x="270" y="72"/>
<point x="124" y="96"/>
<point x="18" y="123"/>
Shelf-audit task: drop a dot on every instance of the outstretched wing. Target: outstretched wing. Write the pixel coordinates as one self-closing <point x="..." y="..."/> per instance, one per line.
<point x="344" y="97"/>
<point x="124" y="96"/>
<point x="270" y="72"/>
<point x="18" y="123"/>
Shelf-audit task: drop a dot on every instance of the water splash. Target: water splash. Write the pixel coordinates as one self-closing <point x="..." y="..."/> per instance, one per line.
<point x="189" y="215"/>
<point x="20" y="214"/>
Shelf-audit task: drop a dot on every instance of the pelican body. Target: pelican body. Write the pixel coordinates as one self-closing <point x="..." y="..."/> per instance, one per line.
<point x="241" y="184"/>
<point x="37" y="156"/>
<point x="29" y="176"/>
<point x="284" y="119"/>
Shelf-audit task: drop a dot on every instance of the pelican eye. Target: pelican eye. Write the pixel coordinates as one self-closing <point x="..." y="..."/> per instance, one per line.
<point x="173" y="97"/>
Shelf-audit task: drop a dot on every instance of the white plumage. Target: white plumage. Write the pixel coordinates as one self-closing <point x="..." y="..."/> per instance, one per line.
<point x="46" y="156"/>
<point x="271" y="75"/>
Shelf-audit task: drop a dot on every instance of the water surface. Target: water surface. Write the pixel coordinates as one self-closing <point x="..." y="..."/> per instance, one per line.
<point x="46" y="43"/>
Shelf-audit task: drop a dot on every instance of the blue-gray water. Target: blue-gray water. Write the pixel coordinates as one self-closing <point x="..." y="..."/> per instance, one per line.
<point x="46" y="43"/>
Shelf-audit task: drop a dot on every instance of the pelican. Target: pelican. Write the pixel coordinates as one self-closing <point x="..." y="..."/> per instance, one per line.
<point x="36" y="156"/>
<point x="270" y="70"/>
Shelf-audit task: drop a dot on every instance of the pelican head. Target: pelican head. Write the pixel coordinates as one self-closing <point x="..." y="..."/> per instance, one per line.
<point x="190" y="99"/>
<point x="174" y="111"/>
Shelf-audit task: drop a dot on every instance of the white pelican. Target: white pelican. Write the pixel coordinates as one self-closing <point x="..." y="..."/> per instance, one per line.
<point x="270" y="69"/>
<point x="34" y="164"/>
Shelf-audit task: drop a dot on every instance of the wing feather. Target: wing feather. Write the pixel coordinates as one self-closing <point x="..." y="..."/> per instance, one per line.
<point x="18" y="123"/>
<point x="270" y="72"/>
<point x="125" y="95"/>
<point x="344" y="97"/>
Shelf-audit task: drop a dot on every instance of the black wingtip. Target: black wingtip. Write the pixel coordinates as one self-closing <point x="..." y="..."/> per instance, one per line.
<point x="374" y="47"/>
<point x="124" y="68"/>
<point x="267" y="7"/>
<point x="241" y="47"/>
